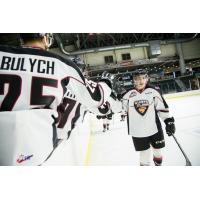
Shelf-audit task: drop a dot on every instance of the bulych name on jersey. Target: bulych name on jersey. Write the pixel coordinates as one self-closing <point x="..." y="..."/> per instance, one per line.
<point x="18" y="64"/>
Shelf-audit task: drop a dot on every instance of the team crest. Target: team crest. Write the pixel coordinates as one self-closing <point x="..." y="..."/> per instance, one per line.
<point x="141" y="106"/>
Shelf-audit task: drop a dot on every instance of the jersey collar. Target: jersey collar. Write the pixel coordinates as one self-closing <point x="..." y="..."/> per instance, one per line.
<point x="32" y="47"/>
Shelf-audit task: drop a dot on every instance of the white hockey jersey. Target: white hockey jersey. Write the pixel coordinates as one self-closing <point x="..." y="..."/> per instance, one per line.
<point x="32" y="79"/>
<point x="71" y="112"/>
<point x="144" y="110"/>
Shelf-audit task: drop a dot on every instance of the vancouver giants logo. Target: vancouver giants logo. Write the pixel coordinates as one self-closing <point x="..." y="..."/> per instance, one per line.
<point x="23" y="158"/>
<point x="141" y="106"/>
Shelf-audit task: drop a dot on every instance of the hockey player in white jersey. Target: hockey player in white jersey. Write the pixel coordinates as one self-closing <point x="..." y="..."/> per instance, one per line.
<point x="33" y="82"/>
<point x="145" y="105"/>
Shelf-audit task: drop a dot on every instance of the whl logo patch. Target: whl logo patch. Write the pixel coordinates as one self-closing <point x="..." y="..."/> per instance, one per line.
<point x="141" y="106"/>
<point x="23" y="158"/>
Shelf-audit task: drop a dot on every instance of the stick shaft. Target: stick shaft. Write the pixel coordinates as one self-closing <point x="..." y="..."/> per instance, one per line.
<point x="188" y="163"/>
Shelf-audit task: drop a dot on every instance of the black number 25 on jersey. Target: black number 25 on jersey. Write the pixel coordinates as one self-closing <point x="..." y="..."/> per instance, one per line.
<point x="14" y="83"/>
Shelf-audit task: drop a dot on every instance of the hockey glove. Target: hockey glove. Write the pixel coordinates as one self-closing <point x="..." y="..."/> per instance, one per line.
<point x="99" y="117"/>
<point x="109" y="116"/>
<point x="108" y="78"/>
<point x="104" y="109"/>
<point x="170" y="126"/>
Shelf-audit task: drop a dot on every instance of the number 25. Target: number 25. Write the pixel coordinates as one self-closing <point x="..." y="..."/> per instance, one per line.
<point x="14" y="91"/>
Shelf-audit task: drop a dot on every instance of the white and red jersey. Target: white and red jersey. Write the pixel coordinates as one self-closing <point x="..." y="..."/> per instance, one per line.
<point x="144" y="109"/>
<point x="33" y="83"/>
<point x="34" y="78"/>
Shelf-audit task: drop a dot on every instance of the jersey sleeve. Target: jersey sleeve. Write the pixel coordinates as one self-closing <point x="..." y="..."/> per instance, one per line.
<point x="87" y="92"/>
<point x="161" y="106"/>
<point x="90" y="94"/>
<point x="125" y="99"/>
<point x="110" y="104"/>
<point x="118" y="105"/>
<point x="115" y="105"/>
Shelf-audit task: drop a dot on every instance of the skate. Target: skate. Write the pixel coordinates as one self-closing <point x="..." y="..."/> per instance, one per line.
<point x="104" y="128"/>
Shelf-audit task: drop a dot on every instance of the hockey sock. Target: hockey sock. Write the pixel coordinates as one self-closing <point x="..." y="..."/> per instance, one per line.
<point x="107" y="126"/>
<point x="145" y="157"/>
<point x="157" y="161"/>
<point x="104" y="127"/>
<point x="157" y="157"/>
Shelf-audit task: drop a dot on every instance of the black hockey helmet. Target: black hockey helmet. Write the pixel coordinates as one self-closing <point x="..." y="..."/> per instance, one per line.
<point x="139" y="72"/>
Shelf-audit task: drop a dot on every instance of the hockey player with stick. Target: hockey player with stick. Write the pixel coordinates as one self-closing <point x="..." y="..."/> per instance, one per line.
<point x="145" y="105"/>
<point x="33" y="82"/>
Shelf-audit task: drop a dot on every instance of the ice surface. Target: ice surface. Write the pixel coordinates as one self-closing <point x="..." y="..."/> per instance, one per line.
<point x="115" y="147"/>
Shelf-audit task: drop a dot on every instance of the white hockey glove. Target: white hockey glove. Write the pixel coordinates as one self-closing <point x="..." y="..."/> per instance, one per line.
<point x="108" y="78"/>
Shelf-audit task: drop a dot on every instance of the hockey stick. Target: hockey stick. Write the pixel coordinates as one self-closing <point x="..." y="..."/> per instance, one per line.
<point x="59" y="141"/>
<point x="188" y="163"/>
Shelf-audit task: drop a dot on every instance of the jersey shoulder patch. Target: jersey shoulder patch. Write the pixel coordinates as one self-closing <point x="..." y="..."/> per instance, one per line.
<point x="155" y="88"/>
<point x="128" y="92"/>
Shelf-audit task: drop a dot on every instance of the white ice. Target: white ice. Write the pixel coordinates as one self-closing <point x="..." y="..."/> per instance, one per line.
<point x="115" y="147"/>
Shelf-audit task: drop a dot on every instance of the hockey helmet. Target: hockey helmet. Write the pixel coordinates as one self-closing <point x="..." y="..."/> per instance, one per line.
<point x="139" y="72"/>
